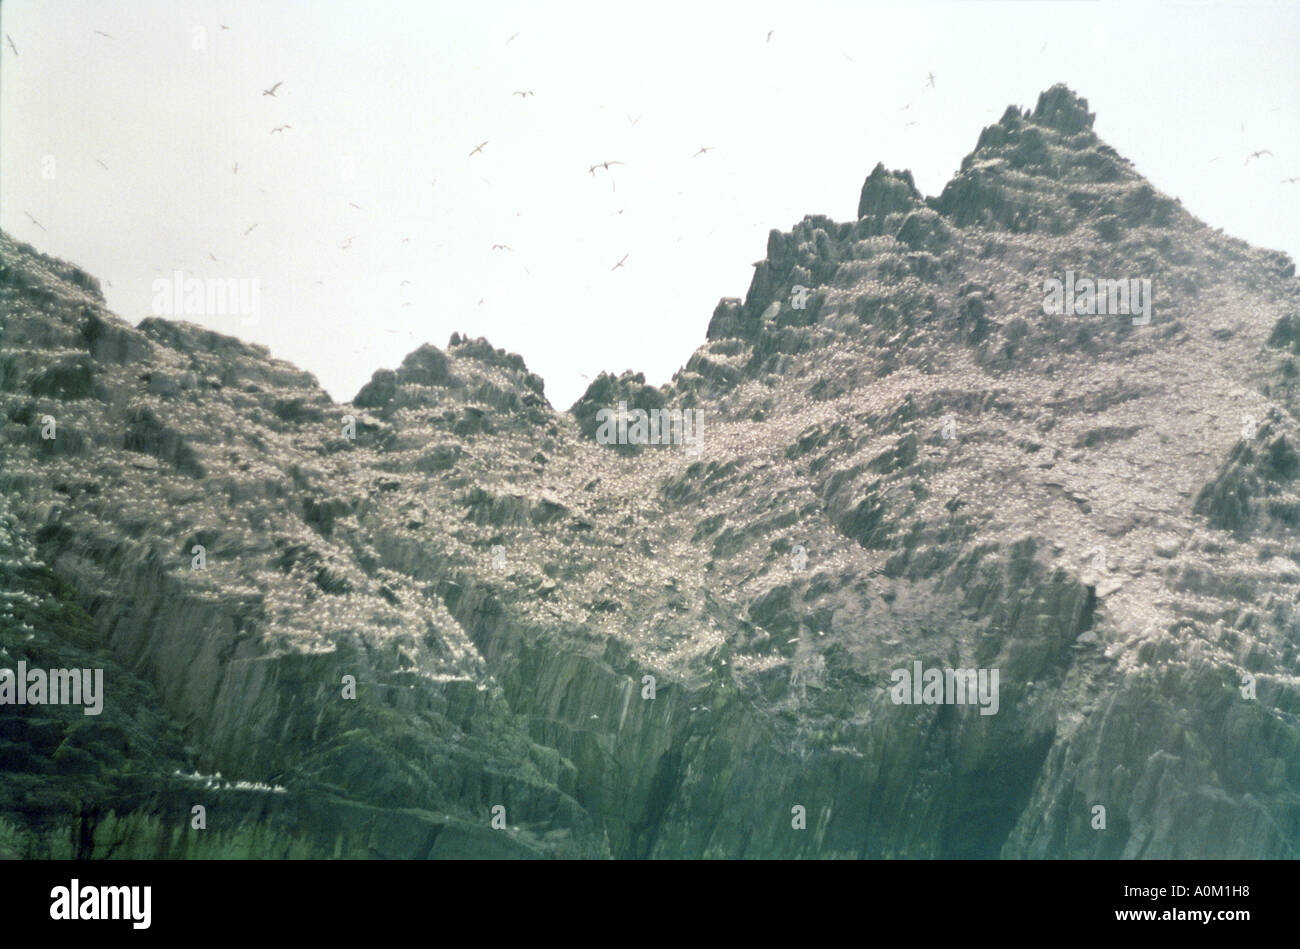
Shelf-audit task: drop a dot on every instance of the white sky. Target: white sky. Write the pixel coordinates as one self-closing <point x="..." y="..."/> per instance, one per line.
<point x="407" y="89"/>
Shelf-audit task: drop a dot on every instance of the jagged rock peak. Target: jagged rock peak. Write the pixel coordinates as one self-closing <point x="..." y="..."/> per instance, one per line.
<point x="1016" y="141"/>
<point x="427" y="365"/>
<point x="480" y="349"/>
<point x="607" y="391"/>
<point x="1062" y="109"/>
<point x="469" y="370"/>
<point x="885" y="192"/>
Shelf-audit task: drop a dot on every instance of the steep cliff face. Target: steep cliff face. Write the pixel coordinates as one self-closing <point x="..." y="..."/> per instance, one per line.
<point x="917" y="465"/>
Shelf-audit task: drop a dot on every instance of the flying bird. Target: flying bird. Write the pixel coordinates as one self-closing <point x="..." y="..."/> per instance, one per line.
<point x="34" y="221"/>
<point x="101" y="164"/>
<point x="1290" y="181"/>
<point x="769" y="35"/>
<point x="478" y="148"/>
<point x="11" y="44"/>
<point x="500" y="247"/>
<point x="347" y="242"/>
<point x="102" y="33"/>
<point x="405" y="239"/>
<point x="249" y="231"/>
<point x="703" y="151"/>
<point x="909" y="124"/>
<point x="280" y="128"/>
<point x="524" y="93"/>
<point x="353" y="204"/>
<point x="931" y="80"/>
<point x="620" y="263"/>
<point x="404" y="283"/>
<point x="634" y="121"/>
<point x="1259" y="154"/>
<point x="214" y="259"/>
<point x="512" y="36"/>
<point x="235" y="170"/>
<point x="602" y="164"/>
<point x="271" y="91"/>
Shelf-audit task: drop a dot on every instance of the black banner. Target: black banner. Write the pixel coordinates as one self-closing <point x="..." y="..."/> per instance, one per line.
<point x="334" y="899"/>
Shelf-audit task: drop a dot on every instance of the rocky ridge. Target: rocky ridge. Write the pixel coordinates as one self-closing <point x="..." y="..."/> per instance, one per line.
<point x="918" y="465"/>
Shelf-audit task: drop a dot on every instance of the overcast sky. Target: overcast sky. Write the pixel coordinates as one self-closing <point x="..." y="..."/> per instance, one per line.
<point x="385" y="101"/>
